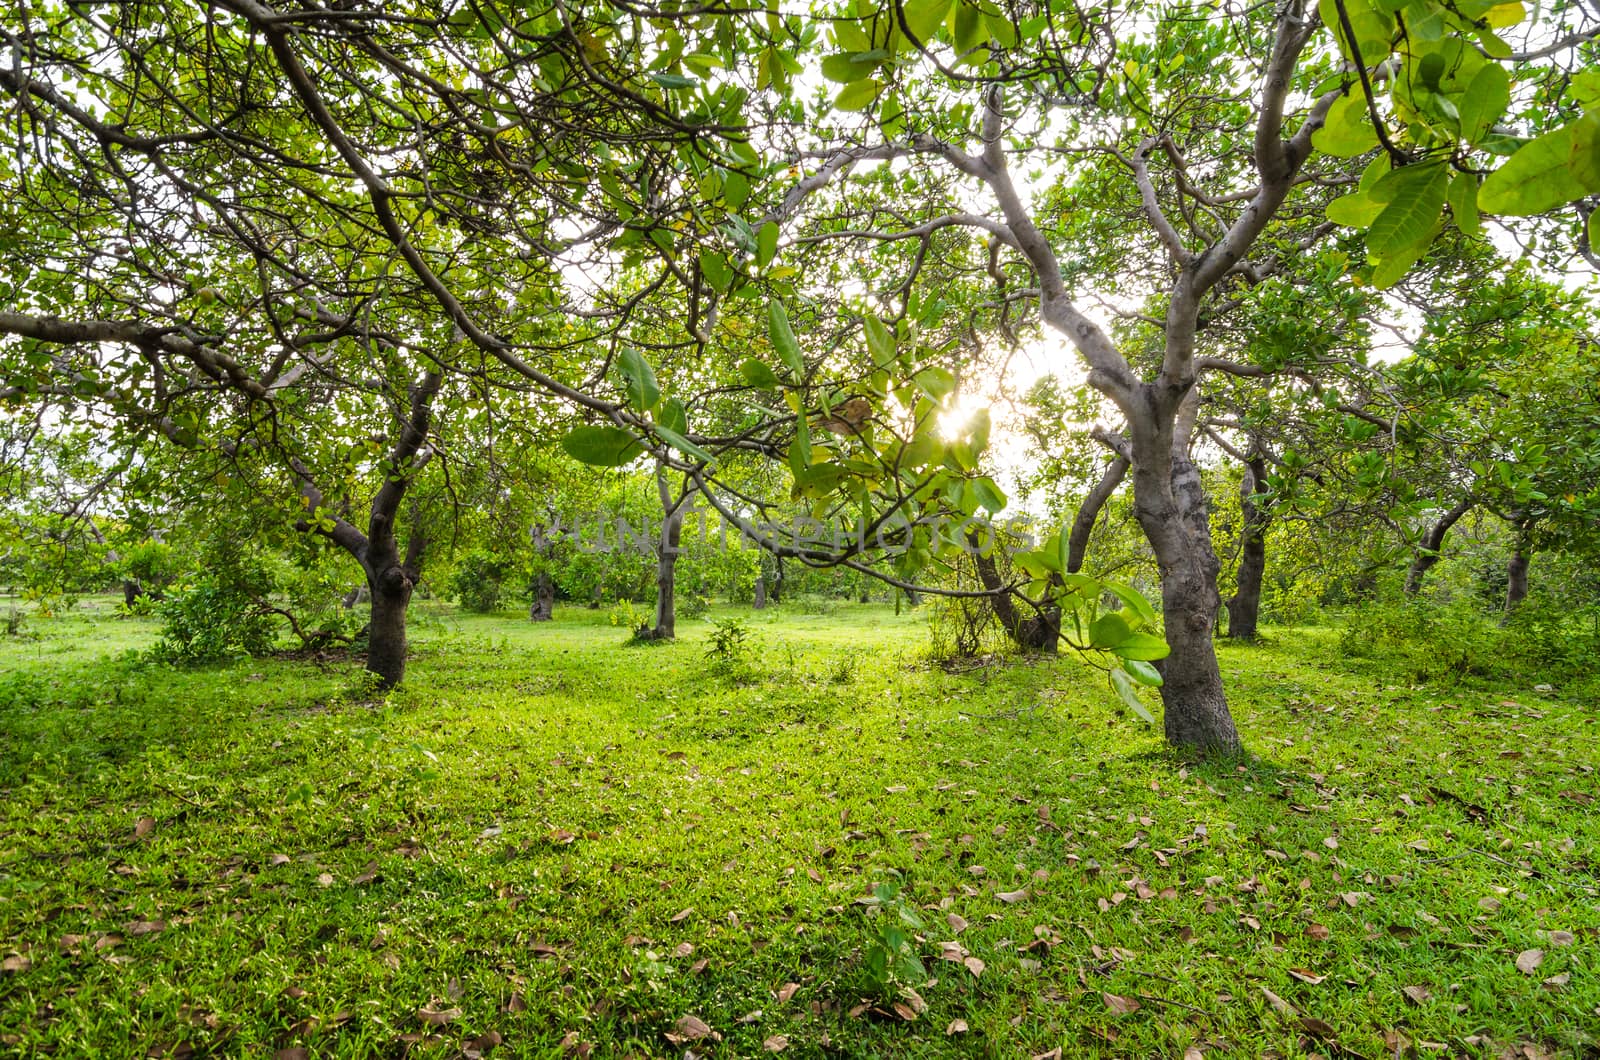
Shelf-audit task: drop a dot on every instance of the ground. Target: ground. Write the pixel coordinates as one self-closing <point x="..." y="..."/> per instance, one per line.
<point x="556" y="843"/>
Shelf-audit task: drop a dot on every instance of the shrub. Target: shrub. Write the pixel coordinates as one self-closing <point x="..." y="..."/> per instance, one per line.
<point x="476" y="582"/>
<point x="693" y="605"/>
<point x="213" y="619"/>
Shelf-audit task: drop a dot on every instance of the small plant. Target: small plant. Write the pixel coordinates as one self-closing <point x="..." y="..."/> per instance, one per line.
<point x="843" y="670"/>
<point x="213" y="619"/>
<point x="693" y="605"/>
<point x="891" y="956"/>
<point x="626" y="614"/>
<point x="728" y="643"/>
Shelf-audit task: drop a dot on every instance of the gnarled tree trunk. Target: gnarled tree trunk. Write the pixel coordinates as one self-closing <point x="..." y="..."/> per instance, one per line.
<point x="543" y="608"/>
<point x="1244" y="606"/>
<point x="667" y="553"/>
<point x="1428" y="549"/>
<point x="1516" y="579"/>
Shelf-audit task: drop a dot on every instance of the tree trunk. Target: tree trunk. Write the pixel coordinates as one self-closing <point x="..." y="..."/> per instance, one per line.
<point x="1038" y="633"/>
<point x="667" y="552"/>
<point x="1244" y="606"/>
<point x="761" y="592"/>
<point x="1516" y="580"/>
<point x="543" y="608"/>
<point x="1428" y="549"/>
<point x="386" y="636"/>
<point x="1170" y="503"/>
<point x="131" y="591"/>
<point x="360" y="594"/>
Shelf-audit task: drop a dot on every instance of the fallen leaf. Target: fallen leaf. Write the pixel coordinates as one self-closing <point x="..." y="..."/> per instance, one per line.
<point x="1278" y="1003"/>
<point x="1418" y="994"/>
<point x="1528" y="960"/>
<point x="905" y="1011"/>
<point x="143" y="827"/>
<point x="1012" y="897"/>
<point x="776" y="1044"/>
<point x="956" y="922"/>
<point x="434" y="1016"/>
<point x="516" y="1003"/>
<point x="294" y="1052"/>
<point x="1122" y="1006"/>
<point x="367" y="874"/>
<point x="325" y="880"/>
<point x="691" y="1028"/>
<point x="1318" y="1028"/>
<point x="1193" y="1053"/>
<point x="145" y="927"/>
<point x="1556" y="982"/>
<point x="683" y="949"/>
<point x="1489" y="905"/>
<point x="15" y="964"/>
<point x="787" y="991"/>
<point x="1561" y="938"/>
<point x="956" y="1027"/>
<point x="1316" y="931"/>
<point x="683" y="915"/>
<point x="975" y="966"/>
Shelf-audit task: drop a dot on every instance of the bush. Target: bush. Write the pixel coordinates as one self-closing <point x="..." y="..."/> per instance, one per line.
<point x="476" y="582"/>
<point x="693" y="605"/>
<point x="213" y="619"/>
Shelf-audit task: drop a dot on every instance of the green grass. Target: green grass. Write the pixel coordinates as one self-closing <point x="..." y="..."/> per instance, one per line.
<point x="512" y="841"/>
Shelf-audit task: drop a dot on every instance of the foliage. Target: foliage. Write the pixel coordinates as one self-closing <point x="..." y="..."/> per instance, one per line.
<point x="212" y="618"/>
<point x="891" y="959"/>
<point x="728" y="646"/>
<point x="477" y="580"/>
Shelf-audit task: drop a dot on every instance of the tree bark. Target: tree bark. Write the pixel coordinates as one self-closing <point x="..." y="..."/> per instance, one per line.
<point x="1040" y="633"/>
<point x="1170" y="504"/>
<point x="1516" y="579"/>
<point x="1089" y="511"/>
<point x="761" y="592"/>
<point x="1244" y="606"/>
<point x="1428" y="549"/>
<point x="390" y="578"/>
<point x="543" y="608"/>
<point x="667" y="553"/>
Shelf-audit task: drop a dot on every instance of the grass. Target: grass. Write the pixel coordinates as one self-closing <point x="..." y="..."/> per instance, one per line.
<point x="557" y="843"/>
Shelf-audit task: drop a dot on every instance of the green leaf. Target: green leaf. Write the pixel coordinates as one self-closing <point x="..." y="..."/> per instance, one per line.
<point x="1134" y="601"/>
<point x="1464" y="203"/>
<point x="1486" y="98"/>
<point x="1109" y="631"/>
<point x="639" y="379"/>
<point x="1356" y="210"/>
<point x="857" y="96"/>
<point x="1142" y="646"/>
<point x="675" y="82"/>
<point x="935" y="382"/>
<point x="800" y="449"/>
<point x="1418" y="200"/>
<point x="989" y="495"/>
<point x="1143" y="672"/>
<point x="602" y="446"/>
<point x="684" y="445"/>
<point x="1593" y="229"/>
<point x="1547" y="172"/>
<point x="766" y="244"/>
<point x="1348" y="130"/>
<point x="924" y="17"/>
<point x="783" y="341"/>
<point x="970" y="29"/>
<point x="879" y="341"/>
<point x="1060" y="554"/>
<point x="758" y="374"/>
<point x="1128" y="692"/>
<point x="674" y="416"/>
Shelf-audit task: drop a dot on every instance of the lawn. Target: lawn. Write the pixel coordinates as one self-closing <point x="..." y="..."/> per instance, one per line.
<point x="550" y="844"/>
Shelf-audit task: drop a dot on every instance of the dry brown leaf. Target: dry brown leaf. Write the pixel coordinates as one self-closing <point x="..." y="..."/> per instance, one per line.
<point x="107" y="941"/>
<point x="1316" y="931"/>
<point x="956" y="1027"/>
<point x="1193" y="1053"/>
<point x="1561" y="938"/>
<point x="1556" y="982"/>
<point x="975" y="966"/>
<point x="1278" y="1003"/>
<point x="905" y="1011"/>
<point x="143" y="827"/>
<point x="434" y="1016"/>
<point x="1489" y="905"/>
<point x="294" y="1052"/>
<point x="1306" y="977"/>
<point x="787" y="991"/>
<point x="145" y="927"/>
<point x="680" y="917"/>
<point x="682" y="950"/>
<point x="516" y="1003"/>
<point x="367" y="874"/>
<point x="1054" y="1054"/>
<point x="1528" y="960"/>
<point x="1012" y="897"/>
<point x="1418" y="994"/>
<point x="691" y="1028"/>
<point x="15" y="964"/>
<point x="1318" y="1028"/>
<point x="776" y="1044"/>
<point x="325" y="880"/>
<point x="956" y="922"/>
<point x="1119" y="1004"/>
